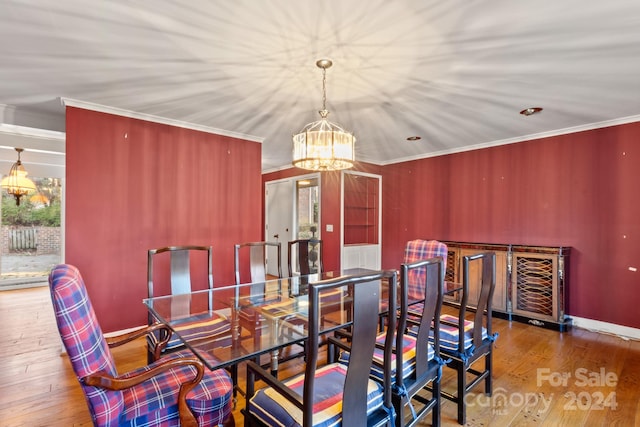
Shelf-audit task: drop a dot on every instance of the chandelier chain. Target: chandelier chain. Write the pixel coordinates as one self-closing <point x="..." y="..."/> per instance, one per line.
<point x="324" y="89"/>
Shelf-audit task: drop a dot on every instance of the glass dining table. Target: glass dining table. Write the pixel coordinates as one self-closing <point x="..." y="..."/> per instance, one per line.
<point x="242" y="322"/>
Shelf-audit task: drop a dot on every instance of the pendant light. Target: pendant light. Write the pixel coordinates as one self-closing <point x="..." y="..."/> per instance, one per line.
<point x="322" y="145"/>
<point x="16" y="183"/>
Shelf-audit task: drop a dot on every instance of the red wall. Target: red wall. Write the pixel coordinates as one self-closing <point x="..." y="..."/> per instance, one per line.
<point x="132" y="185"/>
<point x="578" y="190"/>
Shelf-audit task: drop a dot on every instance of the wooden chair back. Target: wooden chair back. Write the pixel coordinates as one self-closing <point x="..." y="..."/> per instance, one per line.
<point x="308" y="257"/>
<point x="257" y="261"/>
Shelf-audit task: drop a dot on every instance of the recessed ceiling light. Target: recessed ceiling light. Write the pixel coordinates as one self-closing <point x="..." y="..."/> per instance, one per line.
<point x="531" y="110"/>
<point x="414" y="138"/>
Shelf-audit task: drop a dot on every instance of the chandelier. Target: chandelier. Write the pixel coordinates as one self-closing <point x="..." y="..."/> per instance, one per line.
<point x="16" y="183"/>
<point x="322" y="145"/>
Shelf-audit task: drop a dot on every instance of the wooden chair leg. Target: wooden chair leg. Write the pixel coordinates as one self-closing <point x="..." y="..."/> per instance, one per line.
<point x="233" y="370"/>
<point x="435" y="412"/>
<point x="229" y="422"/>
<point x="488" y="368"/>
<point x="462" y="393"/>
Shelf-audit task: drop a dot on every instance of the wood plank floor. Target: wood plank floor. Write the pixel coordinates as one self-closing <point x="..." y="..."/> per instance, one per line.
<point x="541" y="377"/>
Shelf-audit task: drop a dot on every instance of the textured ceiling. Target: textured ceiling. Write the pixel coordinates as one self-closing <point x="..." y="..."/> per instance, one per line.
<point x="456" y="72"/>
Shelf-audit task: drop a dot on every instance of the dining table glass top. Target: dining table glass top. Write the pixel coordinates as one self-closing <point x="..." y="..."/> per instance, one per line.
<point x="227" y="325"/>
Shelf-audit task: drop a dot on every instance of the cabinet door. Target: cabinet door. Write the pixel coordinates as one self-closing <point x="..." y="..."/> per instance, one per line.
<point x="500" y="293"/>
<point x="452" y="272"/>
<point x="534" y="285"/>
<point x="362" y="256"/>
<point x="499" y="302"/>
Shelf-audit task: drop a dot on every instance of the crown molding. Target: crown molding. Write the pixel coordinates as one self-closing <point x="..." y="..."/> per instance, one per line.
<point x="531" y="137"/>
<point x="9" y="129"/>
<point x="68" y="102"/>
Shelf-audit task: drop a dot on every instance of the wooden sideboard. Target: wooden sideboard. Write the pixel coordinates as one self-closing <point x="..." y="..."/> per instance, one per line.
<point x="531" y="281"/>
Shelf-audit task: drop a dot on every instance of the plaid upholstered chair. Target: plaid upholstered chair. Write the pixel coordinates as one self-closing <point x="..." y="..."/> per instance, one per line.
<point x="337" y="393"/>
<point x="467" y="337"/>
<point x="171" y="392"/>
<point x="419" y="250"/>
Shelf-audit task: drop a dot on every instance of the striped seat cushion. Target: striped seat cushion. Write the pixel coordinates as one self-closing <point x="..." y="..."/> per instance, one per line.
<point x="204" y="325"/>
<point x="284" y="310"/>
<point x="274" y="410"/>
<point x="330" y="300"/>
<point x="449" y="335"/>
<point x="408" y="359"/>
<point x="154" y="402"/>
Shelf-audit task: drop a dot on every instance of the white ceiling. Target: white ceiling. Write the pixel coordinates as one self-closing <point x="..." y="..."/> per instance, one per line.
<point x="454" y="72"/>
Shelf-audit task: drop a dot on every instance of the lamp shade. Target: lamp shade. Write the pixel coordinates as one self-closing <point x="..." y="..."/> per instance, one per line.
<point x="16" y="183"/>
<point x="323" y="146"/>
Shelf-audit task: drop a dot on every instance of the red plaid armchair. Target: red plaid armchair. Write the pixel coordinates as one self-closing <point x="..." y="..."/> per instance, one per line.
<point x="173" y="391"/>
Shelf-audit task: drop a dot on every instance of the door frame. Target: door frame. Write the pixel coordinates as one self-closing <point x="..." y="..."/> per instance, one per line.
<point x="294" y="222"/>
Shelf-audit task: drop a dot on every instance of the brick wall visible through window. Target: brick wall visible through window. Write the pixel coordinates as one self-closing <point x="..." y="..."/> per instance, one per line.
<point x="47" y="240"/>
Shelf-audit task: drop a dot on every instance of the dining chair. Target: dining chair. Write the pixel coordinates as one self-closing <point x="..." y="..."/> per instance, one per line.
<point x="173" y="391"/>
<point x="251" y="258"/>
<point x="416" y="363"/>
<point x="335" y="393"/>
<point x="308" y="257"/>
<point x="257" y="253"/>
<point x="307" y="260"/>
<point x="418" y="250"/>
<point x="180" y="270"/>
<point x="467" y="340"/>
<point x="418" y="367"/>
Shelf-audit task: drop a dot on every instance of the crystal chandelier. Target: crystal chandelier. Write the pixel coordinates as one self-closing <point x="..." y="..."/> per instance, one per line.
<point x="16" y="183"/>
<point x="322" y="145"/>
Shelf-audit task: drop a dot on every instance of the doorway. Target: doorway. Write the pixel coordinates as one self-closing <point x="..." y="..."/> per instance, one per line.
<point x="292" y="211"/>
<point x="278" y="221"/>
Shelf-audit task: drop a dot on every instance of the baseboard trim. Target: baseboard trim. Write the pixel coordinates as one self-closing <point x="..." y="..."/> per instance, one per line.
<point x="23" y="283"/>
<point x="624" y="332"/>
<point x="563" y="326"/>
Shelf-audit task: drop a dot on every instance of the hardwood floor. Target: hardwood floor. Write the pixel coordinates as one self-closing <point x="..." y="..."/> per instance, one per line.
<point x="541" y="377"/>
